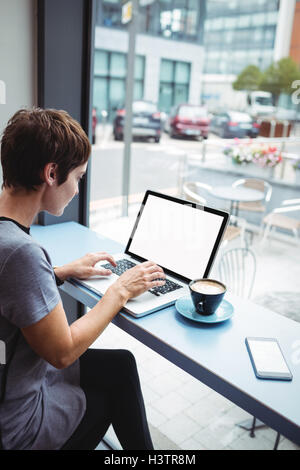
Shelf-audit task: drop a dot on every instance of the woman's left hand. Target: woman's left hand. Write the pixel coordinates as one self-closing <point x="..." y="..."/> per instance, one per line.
<point x="84" y="267"/>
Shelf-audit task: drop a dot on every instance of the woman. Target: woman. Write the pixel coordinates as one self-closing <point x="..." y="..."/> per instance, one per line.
<point x="57" y="394"/>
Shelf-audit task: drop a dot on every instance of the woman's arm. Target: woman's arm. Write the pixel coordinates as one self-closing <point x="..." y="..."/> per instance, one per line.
<point x="61" y="344"/>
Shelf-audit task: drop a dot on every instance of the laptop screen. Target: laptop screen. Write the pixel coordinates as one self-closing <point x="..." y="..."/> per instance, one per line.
<point x="180" y="236"/>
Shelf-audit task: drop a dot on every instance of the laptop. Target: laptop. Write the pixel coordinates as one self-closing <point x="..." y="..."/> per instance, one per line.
<point x="180" y="236"/>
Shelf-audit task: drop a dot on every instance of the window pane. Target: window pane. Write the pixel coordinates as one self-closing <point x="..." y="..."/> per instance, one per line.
<point x="100" y="94"/>
<point x="101" y="63"/>
<point x="138" y="91"/>
<point x="116" y="94"/>
<point x="182" y="72"/>
<point x="139" y="68"/>
<point x="181" y="94"/>
<point x="166" y="71"/>
<point x="272" y="17"/>
<point x="230" y="22"/>
<point x="165" y="97"/>
<point x="258" y="19"/>
<point x="118" y="65"/>
<point x="244" y="21"/>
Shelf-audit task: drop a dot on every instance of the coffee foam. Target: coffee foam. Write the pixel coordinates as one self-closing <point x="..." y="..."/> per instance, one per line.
<point x="208" y="287"/>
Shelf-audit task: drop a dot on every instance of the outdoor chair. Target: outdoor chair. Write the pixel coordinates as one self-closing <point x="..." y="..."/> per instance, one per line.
<point x="278" y="219"/>
<point x="194" y="190"/>
<point x="237" y="226"/>
<point x="237" y="270"/>
<point x="260" y="185"/>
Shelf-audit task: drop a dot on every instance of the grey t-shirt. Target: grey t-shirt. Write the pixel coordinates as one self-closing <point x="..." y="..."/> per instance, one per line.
<point x="42" y="405"/>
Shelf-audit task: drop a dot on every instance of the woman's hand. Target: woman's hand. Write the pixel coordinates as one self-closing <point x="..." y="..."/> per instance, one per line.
<point x="139" y="279"/>
<point x="84" y="267"/>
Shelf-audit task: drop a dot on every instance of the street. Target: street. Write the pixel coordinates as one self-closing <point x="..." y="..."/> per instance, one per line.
<point x="153" y="166"/>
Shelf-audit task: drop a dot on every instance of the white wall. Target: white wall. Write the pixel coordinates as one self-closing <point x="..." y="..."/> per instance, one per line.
<point x="154" y="49"/>
<point x="17" y="56"/>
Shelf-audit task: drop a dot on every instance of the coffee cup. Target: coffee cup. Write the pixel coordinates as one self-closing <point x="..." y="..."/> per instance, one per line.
<point x="207" y="294"/>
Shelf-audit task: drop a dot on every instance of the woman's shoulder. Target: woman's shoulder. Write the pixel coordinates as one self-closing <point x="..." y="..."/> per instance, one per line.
<point x="18" y="245"/>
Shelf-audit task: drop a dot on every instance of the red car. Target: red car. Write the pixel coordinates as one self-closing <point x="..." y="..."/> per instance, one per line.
<point x="188" y="120"/>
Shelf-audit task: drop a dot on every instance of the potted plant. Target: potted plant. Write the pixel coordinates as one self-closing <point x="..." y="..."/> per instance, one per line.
<point x="263" y="157"/>
<point x="266" y="156"/>
<point x="239" y="153"/>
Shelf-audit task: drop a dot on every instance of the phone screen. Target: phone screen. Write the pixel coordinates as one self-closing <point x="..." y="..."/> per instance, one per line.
<point x="267" y="357"/>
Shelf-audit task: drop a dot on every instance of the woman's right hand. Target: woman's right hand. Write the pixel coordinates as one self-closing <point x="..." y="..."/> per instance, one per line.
<point x="139" y="279"/>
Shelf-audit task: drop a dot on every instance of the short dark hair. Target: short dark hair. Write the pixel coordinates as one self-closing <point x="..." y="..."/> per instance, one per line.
<point x="35" y="137"/>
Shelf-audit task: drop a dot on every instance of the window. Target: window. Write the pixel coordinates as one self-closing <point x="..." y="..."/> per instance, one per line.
<point x="244" y="21"/>
<point x="174" y="84"/>
<point x="110" y="69"/>
<point x="175" y="19"/>
<point x="109" y="13"/>
<point x="169" y="72"/>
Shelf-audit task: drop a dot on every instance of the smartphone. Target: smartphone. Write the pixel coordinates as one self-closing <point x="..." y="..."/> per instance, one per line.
<point x="267" y="359"/>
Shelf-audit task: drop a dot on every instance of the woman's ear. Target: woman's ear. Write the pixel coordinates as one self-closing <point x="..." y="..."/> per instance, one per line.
<point x="49" y="173"/>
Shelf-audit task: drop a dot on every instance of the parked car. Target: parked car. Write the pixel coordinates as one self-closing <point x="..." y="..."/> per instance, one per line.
<point x="188" y="120"/>
<point x="230" y="124"/>
<point x="146" y="121"/>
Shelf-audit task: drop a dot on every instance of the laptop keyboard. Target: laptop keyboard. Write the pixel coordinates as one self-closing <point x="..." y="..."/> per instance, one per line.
<point x="124" y="264"/>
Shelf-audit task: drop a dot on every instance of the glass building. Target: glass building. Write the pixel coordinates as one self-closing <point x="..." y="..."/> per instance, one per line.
<point x="239" y="33"/>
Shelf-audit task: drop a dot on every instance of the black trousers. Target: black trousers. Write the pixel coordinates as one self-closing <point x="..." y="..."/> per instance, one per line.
<point x="113" y="393"/>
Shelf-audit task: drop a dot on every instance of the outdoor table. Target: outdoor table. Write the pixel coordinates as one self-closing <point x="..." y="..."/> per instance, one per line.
<point x="214" y="354"/>
<point x="236" y="195"/>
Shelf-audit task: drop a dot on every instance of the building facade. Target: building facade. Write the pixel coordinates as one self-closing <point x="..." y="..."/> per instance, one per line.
<point x="190" y="50"/>
<point x="169" y="54"/>
<point x="239" y="33"/>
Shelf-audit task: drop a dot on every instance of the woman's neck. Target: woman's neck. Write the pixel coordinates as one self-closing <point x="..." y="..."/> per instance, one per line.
<point x="20" y="205"/>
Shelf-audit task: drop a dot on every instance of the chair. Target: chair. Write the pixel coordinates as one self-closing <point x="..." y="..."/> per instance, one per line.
<point x="191" y="191"/>
<point x="278" y="219"/>
<point x="236" y="228"/>
<point x="260" y="185"/>
<point x="237" y="270"/>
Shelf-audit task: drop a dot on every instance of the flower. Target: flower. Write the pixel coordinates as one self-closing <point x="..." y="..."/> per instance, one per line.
<point x="260" y="154"/>
<point x="239" y="153"/>
<point x="266" y="156"/>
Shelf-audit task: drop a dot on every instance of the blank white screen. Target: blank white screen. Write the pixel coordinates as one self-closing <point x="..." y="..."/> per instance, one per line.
<point x="267" y="356"/>
<point x="176" y="236"/>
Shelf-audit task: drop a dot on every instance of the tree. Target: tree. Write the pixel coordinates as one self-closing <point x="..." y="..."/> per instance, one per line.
<point x="279" y="76"/>
<point x="249" y="79"/>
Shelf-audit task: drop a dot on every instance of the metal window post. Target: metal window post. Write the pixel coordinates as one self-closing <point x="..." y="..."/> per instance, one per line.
<point x="132" y="29"/>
